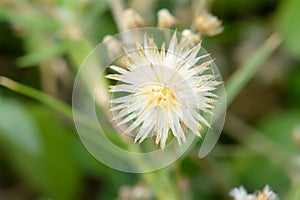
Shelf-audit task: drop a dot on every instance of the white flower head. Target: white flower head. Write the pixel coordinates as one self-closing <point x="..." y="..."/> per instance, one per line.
<point x="267" y="194"/>
<point x="241" y="194"/>
<point x="167" y="91"/>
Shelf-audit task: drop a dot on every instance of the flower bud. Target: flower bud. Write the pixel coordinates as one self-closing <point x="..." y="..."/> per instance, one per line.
<point x="165" y="19"/>
<point x="132" y="19"/>
<point x="208" y="24"/>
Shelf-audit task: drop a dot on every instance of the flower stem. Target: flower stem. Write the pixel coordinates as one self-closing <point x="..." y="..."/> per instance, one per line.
<point x="294" y="193"/>
<point x="242" y="76"/>
<point x="160" y="183"/>
<point x="117" y="9"/>
<point x="35" y="94"/>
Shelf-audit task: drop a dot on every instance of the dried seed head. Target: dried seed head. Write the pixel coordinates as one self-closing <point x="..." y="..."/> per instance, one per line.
<point x="266" y="194"/>
<point x="208" y="24"/>
<point x="165" y="19"/>
<point x="132" y="19"/>
<point x="190" y="38"/>
<point x="113" y="45"/>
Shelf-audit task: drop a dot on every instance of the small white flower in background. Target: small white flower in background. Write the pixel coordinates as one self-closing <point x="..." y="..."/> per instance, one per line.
<point x="132" y="19"/>
<point x="267" y="194"/>
<point x="208" y="24"/>
<point x="241" y="194"/>
<point x="165" y="19"/>
<point x="137" y="192"/>
<point x="167" y="91"/>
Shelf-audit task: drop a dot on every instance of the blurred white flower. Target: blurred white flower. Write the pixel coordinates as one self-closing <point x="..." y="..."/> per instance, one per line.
<point x="267" y="194"/>
<point x="140" y="191"/>
<point x="241" y="194"/>
<point x="167" y="91"/>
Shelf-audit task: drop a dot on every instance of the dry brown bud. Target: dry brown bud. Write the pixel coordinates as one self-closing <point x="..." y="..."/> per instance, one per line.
<point x="208" y="24"/>
<point x="165" y="19"/>
<point x="132" y="19"/>
<point x="113" y="45"/>
<point x="187" y="36"/>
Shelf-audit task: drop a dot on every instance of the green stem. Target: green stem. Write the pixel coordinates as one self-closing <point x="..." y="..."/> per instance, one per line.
<point x="160" y="183"/>
<point x="35" y="94"/>
<point x="294" y="193"/>
<point x="242" y="76"/>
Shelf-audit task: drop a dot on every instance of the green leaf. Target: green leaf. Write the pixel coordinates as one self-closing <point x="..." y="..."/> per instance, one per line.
<point x="289" y="26"/>
<point x="38" y="56"/>
<point x="34" y="20"/>
<point x="254" y="172"/>
<point x="18" y="128"/>
<point x="57" y="172"/>
<point x="294" y="193"/>
<point x="279" y="128"/>
<point x="40" y="149"/>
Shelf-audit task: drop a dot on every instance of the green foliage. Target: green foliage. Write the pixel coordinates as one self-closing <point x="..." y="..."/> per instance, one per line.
<point x="280" y="128"/>
<point x="40" y="149"/>
<point x="293" y="86"/>
<point x="18" y="128"/>
<point x="289" y="26"/>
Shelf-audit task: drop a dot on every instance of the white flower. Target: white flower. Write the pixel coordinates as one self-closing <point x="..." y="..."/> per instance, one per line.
<point x="241" y="194"/>
<point x="166" y="91"/>
<point x="267" y="194"/>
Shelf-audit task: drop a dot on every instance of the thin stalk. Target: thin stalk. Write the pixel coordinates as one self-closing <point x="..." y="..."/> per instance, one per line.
<point x="160" y="183"/>
<point x="35" y="94"/>
<point x="117" y="9"/>
<point x="242" y="76"/>
<point x="177" y="174"/>
<point x="255" y="140"/>
<point x="294" y="193"/>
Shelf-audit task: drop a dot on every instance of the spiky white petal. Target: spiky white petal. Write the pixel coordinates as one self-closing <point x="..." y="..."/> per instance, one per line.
<point x="165" y="91"/>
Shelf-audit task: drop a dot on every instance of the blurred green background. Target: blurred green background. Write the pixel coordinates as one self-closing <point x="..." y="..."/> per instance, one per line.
<point x="42" y="44"/>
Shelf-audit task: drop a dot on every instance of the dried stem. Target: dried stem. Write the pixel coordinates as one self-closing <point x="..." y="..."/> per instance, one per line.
<point x="242" y="76"/>
<point x="117" y="8"/>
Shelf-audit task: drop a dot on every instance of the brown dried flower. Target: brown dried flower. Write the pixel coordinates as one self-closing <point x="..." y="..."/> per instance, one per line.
<point x="132" y="19"/>
<point x="208" y="24"/>
<point x="165" y="19"/>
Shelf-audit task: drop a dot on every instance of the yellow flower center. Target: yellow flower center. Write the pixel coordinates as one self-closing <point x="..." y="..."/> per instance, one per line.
<point x="160" y="94"/>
